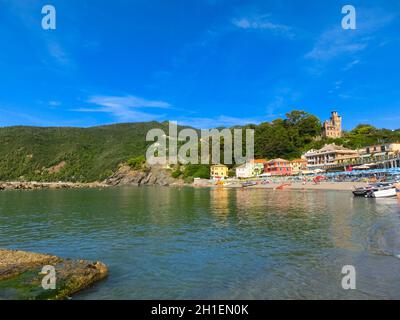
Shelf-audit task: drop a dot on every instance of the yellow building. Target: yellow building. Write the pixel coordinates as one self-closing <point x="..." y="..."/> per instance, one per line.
<point x="299" y="165"/>
<point x="219" y="171"/>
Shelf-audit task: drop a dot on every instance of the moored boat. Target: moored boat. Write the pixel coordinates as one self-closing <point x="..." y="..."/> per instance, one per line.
<point x="249" y="184"/>
<point x="383" y="192"/>
<point x="364" y="191"/>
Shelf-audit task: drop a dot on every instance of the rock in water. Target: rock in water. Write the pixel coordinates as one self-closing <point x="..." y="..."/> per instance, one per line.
<point x="21" y="275"/>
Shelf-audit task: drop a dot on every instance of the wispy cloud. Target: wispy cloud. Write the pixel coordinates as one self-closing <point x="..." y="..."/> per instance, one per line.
<point x="278" y="102"/>
<point x="351" y="64"/>
<point x="262" y="23"/>
<point x="125" y="108"/>
<point x="336" y="41"/>
<point x="53" y="52"/>
<point x="336" y="86"/>
<point x="54" y="103"/>
<point x="283" y="98"/>
<point x="127" y="101"/>
<point x="58" y="53"/>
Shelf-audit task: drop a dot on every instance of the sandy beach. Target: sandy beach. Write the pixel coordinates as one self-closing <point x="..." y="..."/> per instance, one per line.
<point x="337" y="186"/>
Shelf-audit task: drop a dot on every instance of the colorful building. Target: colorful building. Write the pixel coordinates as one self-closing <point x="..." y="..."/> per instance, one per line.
<point x="298" y="165"/>
<point x="245" y="171"/>
<point x="278" y="167"/>
<point x="251" y="169"/>
<point x="258" y="166"/>
<point x="219" y="171"/>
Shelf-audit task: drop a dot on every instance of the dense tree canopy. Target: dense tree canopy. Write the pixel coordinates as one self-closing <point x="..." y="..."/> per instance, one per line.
<point x="286" y="137"/>
<point x="89" y="154"/>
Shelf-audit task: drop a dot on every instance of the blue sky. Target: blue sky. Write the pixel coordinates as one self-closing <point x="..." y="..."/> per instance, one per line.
<point x="203" y="63"/>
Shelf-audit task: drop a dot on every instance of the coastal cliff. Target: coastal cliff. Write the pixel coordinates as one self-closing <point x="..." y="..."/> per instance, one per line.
<point x="155" y="175"/>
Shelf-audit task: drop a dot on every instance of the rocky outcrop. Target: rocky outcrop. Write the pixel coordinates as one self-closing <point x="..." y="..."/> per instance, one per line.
<point x="21" y="275"/>
<point x="48" y="185"/>
<point x="156" y="175"/>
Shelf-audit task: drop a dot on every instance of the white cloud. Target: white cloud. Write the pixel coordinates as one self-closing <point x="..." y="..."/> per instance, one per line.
<point x="351" y="64"/>
<point x="124" y="108"/>
<point x="284" y="97"/>
<point x="127" y="101"/>
<point x="261" y="23"/>
<point x="54" y="103"/>
<point x="337" y="41"/>
<point x="58" y="53"/>
<point x="51" y="49"/>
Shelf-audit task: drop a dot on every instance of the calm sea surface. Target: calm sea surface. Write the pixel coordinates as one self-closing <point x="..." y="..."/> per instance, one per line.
<point x="171" y="243"/>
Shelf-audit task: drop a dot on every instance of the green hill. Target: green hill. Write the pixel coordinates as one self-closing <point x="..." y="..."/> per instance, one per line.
<point x="92" y="154"/>
<point x="70" y="154"/>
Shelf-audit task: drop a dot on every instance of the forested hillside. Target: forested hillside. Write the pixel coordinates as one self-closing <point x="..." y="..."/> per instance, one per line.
<point x="69" y="154"/>
<point x="92" y="154"/>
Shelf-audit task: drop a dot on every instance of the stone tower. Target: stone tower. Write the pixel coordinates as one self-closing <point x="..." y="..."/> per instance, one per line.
<point x="333" y="127"/>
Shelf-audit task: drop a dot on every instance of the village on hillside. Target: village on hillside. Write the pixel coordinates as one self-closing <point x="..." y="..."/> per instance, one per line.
<point x="330" y="160"/>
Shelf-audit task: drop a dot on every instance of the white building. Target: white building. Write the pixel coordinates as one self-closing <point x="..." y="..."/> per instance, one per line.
<point x="251" y="169"/>
<point x="330" y="155"/>
<point x="380" y="151"/>
<point x="245" y="171"/>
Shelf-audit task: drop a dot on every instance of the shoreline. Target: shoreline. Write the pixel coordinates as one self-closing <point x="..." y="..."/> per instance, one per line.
<point x="331" y="186"/>
<point x="34" y="185"/>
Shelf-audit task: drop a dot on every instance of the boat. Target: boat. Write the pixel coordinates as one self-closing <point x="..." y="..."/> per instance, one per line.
<point x="283" y="186"/>
<point x="363" y="191"/>
<point x="249" y="184"/>
<point x="383" y="192"/>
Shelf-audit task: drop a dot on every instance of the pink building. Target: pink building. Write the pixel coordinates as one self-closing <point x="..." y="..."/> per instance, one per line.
<point x="278" y="167"/>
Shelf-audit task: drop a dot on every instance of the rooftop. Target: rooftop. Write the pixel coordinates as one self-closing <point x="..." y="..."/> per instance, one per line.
<point x="278" y="160"/>
<point x="299" y="160"/>
<point x="332" y="148"/>
<point x="258" y="161"/>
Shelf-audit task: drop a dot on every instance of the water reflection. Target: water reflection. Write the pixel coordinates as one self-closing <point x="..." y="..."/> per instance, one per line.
<point x="219" y="202"/>
<point x="184" y="243"/>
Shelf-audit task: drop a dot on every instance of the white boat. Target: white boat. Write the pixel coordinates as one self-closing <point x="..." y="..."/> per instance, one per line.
<point x="385" y="192"/>
<point x="364" y="191"/>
